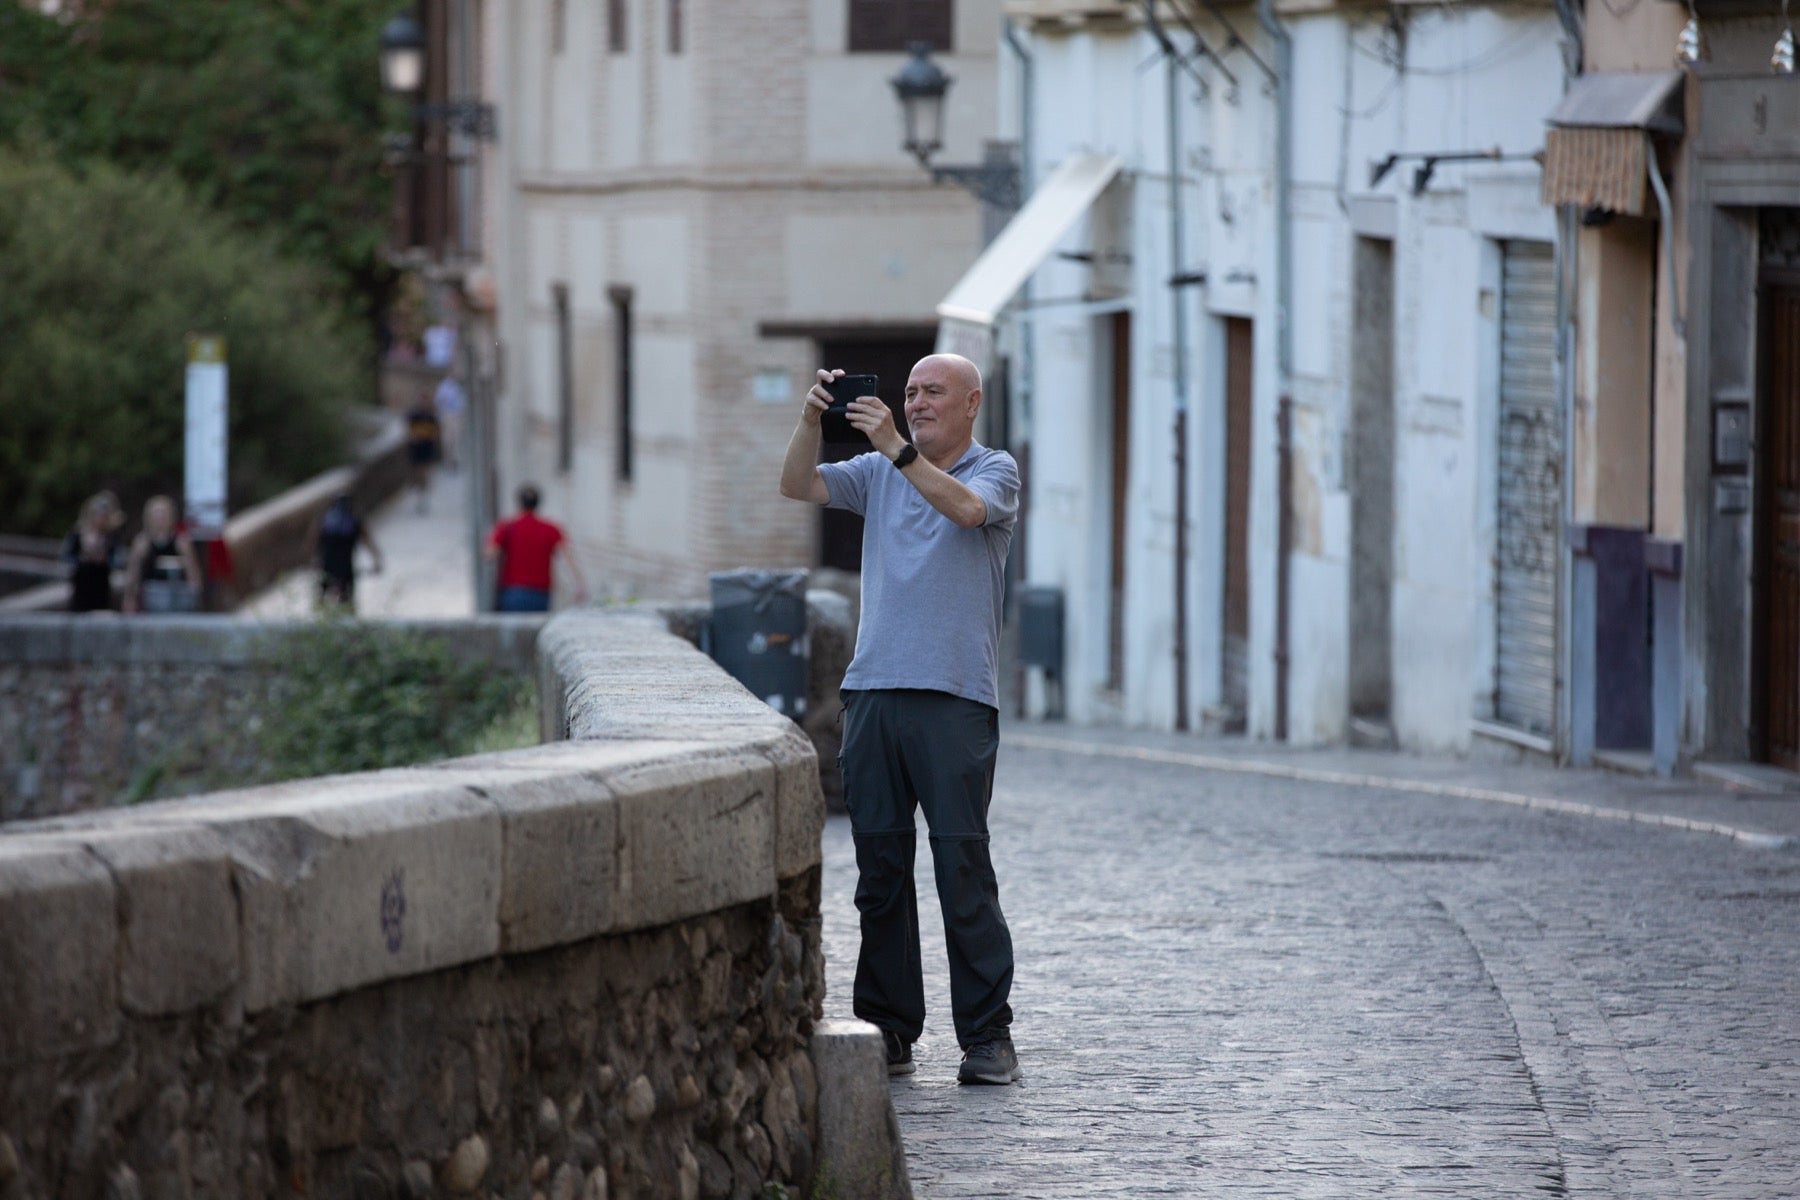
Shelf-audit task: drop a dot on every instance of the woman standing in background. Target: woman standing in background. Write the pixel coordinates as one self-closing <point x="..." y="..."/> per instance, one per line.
<point x="91" y="551"/>
<point x="162" y="574"/>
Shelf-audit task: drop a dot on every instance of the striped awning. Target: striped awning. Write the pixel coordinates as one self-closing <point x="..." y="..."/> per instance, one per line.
<point x="1597" y="150"/>
<point x="1597" y="168"/>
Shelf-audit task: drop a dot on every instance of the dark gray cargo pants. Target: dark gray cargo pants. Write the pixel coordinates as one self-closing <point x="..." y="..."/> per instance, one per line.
<point x="913" y="748"/>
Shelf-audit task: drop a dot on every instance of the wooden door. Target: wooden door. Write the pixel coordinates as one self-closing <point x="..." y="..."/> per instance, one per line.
<point x="1235" y="640"/>
<point x="1372" y="486"/>
<point x="1121" y="480"/>
<point x="1775" y="647"/>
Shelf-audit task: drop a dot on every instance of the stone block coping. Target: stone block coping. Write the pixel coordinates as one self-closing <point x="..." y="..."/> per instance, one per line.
<point x="207" y="640"/>
<point x="670" y="791"/>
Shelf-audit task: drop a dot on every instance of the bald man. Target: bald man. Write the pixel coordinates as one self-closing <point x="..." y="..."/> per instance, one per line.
<point x="921" y="704"/>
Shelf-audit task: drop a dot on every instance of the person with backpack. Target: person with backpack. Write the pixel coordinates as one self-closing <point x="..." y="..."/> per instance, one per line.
<point x="335" y="539"/>
<point x="424" y="446"/>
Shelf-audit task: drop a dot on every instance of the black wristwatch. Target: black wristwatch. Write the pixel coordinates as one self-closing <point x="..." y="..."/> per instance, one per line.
<point x="904" y="459"/>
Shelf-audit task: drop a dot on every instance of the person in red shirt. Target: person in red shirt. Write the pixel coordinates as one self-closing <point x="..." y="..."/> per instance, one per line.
<point x="527" y="547"/>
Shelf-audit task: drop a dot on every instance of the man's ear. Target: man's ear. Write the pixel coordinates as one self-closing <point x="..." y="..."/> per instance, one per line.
<point x="974" y="401"/>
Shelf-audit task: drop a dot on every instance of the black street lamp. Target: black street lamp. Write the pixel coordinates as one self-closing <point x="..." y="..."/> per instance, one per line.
<point x="920" y="86"/>
<point x="403" y="74"/>
<point x="402" y="55"/>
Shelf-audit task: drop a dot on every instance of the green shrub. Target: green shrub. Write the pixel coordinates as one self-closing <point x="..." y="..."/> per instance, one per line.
<point x="359" y="697"/>
<point x="105" y="274"/>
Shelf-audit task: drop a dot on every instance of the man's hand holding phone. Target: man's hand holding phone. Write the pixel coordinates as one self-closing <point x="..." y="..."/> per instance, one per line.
<point x="871" y="416"/>
<point x="849" y="411"/>
<point x="818" y="399"/>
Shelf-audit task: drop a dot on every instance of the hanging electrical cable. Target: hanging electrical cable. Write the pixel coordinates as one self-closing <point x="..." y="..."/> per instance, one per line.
<point x="1167" y="44"/>
<point x="1234" y="40"/>
<point x="1203" y="49"/>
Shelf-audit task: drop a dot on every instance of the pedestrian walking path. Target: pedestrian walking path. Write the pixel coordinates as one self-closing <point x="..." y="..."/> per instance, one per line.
<point x="1248" y="972"/>
<point x="426" y="561"/>
<point x="1756" y="817"/>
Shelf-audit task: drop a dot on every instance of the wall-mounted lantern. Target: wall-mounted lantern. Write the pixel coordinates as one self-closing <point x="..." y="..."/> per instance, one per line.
<point x="920" y="87"/>
<point x="403" y="58"/>
<point x="402" y="55"/>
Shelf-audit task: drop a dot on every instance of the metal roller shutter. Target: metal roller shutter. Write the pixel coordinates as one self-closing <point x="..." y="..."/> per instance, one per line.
<point x="1530" y="491"/>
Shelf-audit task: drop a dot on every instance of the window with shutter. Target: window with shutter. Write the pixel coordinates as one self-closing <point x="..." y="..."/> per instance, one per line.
<point x="887" y="25"/>
<point x="616" y="40"/>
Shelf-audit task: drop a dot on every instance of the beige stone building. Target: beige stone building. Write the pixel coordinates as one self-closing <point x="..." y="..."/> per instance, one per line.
<point x="691" y="205"/>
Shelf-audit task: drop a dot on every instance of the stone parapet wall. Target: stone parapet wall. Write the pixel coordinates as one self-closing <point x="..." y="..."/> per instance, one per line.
<point x="90" y="703"/>
<point x="587" y="968"/>
<point x="831" y="636"/>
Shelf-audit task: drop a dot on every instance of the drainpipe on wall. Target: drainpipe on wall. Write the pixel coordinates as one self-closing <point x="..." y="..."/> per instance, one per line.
<point x="1576" y="664"/>
<point x="1177" y="287"/>
<point x="1019" y="378"/>
<point x="1026" y="77"/>
<point x="1284" y="541"/>
<point x="1578" y="586"/>
<point x="1284" y="108"/>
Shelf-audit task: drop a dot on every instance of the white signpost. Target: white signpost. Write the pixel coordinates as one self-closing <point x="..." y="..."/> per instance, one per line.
<point x="207" y="413"/>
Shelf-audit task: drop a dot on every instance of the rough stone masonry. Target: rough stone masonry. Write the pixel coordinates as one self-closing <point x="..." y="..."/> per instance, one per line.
<point x="590" y="968"/>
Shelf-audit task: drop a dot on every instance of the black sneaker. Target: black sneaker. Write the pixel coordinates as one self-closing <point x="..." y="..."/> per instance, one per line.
<point x="899" y="1053"/>
<point x="990" y="1061"/>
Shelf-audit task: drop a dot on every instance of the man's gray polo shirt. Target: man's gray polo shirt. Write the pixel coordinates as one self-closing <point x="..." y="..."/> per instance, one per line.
<point x="931" y="592"/>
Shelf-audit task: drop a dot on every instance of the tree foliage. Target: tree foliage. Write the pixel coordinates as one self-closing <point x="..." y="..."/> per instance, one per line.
<point x="269" y="110"/>
<point x="105" y="273"/>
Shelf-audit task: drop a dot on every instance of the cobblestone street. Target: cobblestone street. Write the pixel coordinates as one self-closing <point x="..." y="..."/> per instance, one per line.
<point x="1232" y="983"/>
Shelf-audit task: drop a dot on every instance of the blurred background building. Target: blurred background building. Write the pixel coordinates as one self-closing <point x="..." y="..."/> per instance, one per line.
<point x="1407" y="375"/>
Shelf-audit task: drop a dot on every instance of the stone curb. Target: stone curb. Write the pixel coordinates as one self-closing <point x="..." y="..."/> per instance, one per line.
<point x="1245" y="766"/>
<point x="860" y="1150"/>
<point x="684" y="795"/>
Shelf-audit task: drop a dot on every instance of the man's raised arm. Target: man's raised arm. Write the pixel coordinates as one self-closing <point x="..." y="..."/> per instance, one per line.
<point x="943" y="491"/>
<point x="800" y="478"/>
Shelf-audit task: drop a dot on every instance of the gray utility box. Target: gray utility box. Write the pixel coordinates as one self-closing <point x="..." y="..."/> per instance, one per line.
<point x="1041" y="628"/>
<point x="758" y="633"/>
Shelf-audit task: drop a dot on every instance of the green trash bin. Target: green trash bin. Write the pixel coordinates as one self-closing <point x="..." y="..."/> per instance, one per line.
<point x="758" y="633"/>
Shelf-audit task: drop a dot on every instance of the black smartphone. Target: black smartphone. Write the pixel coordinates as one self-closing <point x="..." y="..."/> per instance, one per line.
<point x="835" y="423"/>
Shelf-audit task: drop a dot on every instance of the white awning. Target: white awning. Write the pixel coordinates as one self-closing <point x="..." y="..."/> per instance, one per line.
<point x="1057" y="203"/>
<point x="1647" y="100"/>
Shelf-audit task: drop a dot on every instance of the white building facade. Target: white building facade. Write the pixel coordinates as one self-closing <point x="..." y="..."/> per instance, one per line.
<point x="1407" y="326"/>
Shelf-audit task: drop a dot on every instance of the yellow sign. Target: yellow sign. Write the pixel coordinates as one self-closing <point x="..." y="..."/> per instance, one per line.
<point x="205" y="348"/>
